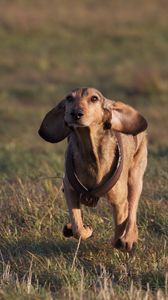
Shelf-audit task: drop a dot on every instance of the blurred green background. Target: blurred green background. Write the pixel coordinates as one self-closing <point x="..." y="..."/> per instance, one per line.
<point x="48" y="48"/>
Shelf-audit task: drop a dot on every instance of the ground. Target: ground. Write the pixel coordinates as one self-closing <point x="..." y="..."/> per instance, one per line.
<point x="46" y="49"/>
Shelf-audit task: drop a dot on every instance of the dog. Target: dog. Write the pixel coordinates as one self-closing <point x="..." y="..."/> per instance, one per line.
<point x="106" y="156"/>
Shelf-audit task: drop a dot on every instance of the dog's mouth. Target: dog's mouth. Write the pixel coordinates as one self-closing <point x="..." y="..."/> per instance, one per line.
<point x="74" y="123"/>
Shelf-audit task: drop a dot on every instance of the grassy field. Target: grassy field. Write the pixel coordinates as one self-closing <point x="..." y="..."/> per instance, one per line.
<point x="46" y="49"/>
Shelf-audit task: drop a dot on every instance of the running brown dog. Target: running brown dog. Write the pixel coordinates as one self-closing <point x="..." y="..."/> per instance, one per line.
<point x="106" y="156"/>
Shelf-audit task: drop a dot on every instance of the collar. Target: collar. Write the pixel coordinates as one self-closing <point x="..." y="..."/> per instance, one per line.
<point x="92" y="195"/>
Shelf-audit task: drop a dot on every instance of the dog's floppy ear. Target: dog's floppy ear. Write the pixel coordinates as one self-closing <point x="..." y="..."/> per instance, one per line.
<point x="53" y="128"/>
<point x="125" y="118"/>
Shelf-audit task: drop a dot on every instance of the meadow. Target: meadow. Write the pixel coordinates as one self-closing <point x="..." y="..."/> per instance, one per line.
<point x="48" y="48"/>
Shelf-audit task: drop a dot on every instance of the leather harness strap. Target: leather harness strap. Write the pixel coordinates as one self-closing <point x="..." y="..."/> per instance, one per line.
<point x="90" y="197"/>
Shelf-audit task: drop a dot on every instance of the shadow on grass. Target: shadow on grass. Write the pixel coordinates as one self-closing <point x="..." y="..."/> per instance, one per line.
<point x="48" y="248"/>
<point x="59" y="254"/>
<point x="61" y="273"/>
<point x="43" y="248"/>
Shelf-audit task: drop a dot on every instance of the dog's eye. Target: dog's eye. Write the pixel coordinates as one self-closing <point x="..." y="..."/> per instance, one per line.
<point x="94" y="98"/>
<point x="69" y="98"/>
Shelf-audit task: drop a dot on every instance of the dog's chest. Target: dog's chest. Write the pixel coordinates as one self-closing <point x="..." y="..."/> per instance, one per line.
<point x="86" y="169"/>
<point x="91" y="168"/>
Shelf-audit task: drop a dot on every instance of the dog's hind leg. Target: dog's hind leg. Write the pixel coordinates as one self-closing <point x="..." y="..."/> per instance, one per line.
<point x="135" y="184"/>
<point x="119" y="202"/>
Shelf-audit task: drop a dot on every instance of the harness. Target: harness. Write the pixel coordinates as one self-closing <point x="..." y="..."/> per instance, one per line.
<point x="91" y="196"/>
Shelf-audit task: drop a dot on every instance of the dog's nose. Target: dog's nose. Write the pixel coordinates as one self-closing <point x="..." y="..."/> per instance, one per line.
<point x="77" y="113"/>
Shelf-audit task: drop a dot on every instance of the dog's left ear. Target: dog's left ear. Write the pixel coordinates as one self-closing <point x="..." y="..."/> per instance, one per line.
<point x="125" y="118"/>
<point x="53" y="128"/>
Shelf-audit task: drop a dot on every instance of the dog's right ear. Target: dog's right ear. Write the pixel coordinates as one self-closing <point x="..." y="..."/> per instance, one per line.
<point x="53" y="128"/>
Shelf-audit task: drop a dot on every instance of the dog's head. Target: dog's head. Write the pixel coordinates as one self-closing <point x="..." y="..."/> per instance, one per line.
<point x="85" y="107"/>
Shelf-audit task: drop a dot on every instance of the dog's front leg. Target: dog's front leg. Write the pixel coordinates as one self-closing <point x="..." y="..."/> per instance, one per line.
<point x="76" y="227"/>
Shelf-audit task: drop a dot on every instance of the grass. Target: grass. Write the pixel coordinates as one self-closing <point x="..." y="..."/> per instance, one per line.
<point x="45" y="50"/>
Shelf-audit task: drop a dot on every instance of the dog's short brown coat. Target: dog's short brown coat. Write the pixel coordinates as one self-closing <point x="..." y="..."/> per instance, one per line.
<point x="90" y="120"/>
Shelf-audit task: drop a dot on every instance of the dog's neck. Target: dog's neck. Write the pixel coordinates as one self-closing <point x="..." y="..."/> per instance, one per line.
<point x="94" y="153"/>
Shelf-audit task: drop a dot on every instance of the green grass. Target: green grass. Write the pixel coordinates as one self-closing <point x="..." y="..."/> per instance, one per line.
<point x="46" y="49"/>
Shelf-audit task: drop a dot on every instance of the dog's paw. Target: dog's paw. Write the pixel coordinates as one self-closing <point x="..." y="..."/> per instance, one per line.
<point x="124" y="245"/>
<point x="86" y="232"/>
<point x="128" y="241"/>
<point x="83" y="233"/>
